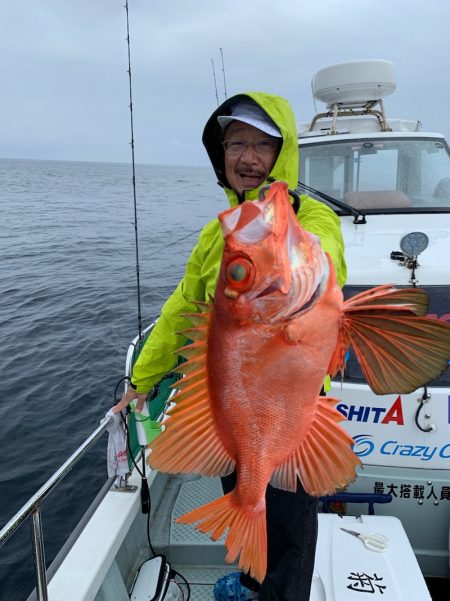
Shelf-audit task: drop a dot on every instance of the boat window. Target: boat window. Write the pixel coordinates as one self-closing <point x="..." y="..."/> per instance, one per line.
<point x="380" y="174"/>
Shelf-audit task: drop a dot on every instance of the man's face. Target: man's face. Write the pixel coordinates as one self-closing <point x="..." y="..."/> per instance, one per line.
<point x="248" y="169"/>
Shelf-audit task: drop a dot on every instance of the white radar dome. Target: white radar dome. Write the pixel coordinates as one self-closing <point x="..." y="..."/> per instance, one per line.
<point x="354" y="81"/>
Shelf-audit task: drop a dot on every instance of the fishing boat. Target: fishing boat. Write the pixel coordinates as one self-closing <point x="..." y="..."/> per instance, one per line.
<point x="390" y="184"/>
<point x="394" y="179"/>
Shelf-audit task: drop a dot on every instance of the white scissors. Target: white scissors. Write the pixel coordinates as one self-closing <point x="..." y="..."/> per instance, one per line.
<point x="373" y="542"/>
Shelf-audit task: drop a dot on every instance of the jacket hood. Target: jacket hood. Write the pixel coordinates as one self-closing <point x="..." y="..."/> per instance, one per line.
<point x="286" y="165"/>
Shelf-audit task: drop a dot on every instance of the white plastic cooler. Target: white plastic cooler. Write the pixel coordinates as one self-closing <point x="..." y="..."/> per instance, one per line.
<point x="345" y="570"/>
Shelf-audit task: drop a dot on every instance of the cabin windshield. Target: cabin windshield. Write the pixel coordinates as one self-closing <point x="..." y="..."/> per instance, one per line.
<point x="381" y="174"/>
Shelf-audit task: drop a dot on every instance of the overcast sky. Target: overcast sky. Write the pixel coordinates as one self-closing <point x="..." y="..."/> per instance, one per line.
<point x="64" y="85"/>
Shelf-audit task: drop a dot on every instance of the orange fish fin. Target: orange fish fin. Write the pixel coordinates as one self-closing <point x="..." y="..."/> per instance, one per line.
<point x="403" y="301"/>
<point x="397" y="349"/>
<point x="246" y="538"/>
<point x="325" y="460"/>
<point x="190" y="442"/>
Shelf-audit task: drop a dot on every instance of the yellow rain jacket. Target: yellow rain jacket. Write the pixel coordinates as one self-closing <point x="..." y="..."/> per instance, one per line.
<point x="202" y="269"/>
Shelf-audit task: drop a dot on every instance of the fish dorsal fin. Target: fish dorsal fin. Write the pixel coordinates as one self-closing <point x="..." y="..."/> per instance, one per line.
<point x="190" y="442"/>
<point x="397" y="348"/>
<point x="324" y="460"/>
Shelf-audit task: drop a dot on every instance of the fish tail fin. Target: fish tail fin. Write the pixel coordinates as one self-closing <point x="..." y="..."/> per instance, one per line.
<point x="247" y="537"/>
<point x="398" y="348"/>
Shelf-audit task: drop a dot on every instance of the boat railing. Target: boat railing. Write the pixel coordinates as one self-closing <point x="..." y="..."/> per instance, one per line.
<point x="33" y="508"/>
<point x="353" y="109"/>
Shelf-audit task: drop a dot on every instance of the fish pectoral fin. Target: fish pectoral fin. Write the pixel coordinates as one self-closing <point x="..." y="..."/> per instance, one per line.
<point x="247" y="537"/>
<point x="324" y="461"/>
<point x="398" y="349"/>
<point x="190" y="442"/>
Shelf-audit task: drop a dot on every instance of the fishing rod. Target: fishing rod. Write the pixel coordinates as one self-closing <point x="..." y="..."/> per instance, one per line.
<point x="133" y="164"/>
<point x="215" y="81"/>
<point x="223" y="71"/>
<point x="136" y="237"/>
<point x="145" y="492"/>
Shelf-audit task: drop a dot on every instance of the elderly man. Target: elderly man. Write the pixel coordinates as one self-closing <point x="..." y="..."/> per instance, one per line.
<point x="251" y="140"/>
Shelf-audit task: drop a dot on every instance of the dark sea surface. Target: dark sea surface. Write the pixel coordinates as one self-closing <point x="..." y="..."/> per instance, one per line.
<point x="68" y="310"/>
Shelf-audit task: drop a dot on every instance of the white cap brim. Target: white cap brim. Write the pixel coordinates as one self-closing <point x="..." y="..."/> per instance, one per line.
<point x="252" y="114"/>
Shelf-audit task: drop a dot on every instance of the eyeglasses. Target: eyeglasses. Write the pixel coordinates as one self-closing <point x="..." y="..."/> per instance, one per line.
<point x="262" y="147"/>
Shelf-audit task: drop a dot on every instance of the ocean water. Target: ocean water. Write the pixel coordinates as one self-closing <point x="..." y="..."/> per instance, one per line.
<point x="68" y="310"/>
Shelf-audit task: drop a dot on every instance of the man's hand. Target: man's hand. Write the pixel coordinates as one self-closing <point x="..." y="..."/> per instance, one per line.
<point x="129" y="396"/>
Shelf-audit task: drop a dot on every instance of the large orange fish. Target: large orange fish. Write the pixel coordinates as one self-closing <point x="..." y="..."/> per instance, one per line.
<point x="260" y="353"/>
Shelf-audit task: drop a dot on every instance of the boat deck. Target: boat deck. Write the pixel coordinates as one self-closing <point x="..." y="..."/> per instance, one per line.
<point x="191" y="553"/>
<point x="394" y="573"/>
<point x="103" y="563"/>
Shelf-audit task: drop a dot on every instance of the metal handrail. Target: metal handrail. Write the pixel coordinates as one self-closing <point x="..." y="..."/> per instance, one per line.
<point x="353" y="109"/>
<point x="33" y="507"/>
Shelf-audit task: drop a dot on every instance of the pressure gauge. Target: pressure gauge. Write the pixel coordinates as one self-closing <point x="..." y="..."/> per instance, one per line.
<point x="414" y="243"/>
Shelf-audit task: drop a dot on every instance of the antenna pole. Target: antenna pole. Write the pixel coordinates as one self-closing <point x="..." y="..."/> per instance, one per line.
<point x="215" y="82"/>
<point x="223" y="71"/>
<point x="136" y="238"/>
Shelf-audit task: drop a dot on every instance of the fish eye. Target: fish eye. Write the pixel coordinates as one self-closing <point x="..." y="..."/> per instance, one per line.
<point x="239" y="273"/>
